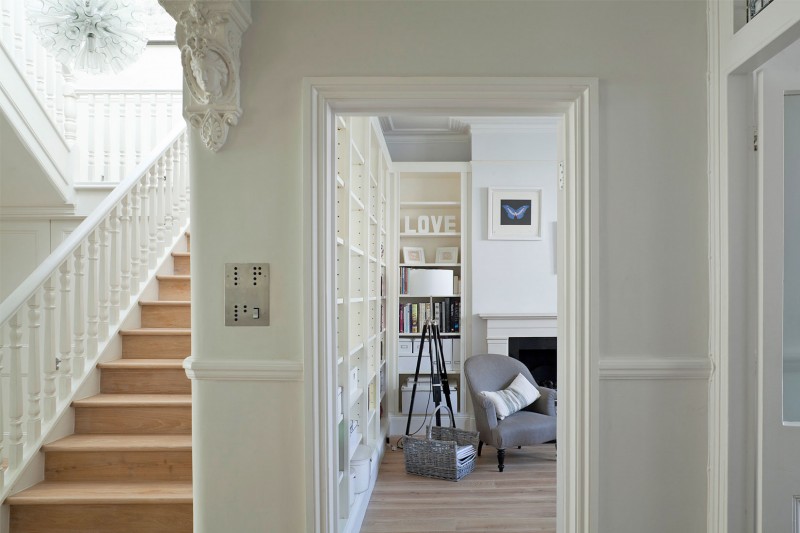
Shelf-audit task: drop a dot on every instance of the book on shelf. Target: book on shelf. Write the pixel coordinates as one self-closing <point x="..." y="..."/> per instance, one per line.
<point x="445" y="313"/>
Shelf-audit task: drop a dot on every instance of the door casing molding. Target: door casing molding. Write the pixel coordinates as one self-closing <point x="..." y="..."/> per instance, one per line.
<point x="575" y="101"/>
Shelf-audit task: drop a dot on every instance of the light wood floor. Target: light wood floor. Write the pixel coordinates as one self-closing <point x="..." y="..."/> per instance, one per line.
<point x="520" y="499"/>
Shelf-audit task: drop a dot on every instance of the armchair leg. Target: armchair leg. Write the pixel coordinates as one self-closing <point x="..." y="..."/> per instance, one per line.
<point x="480" y="447"/>
<point x="501" y="457"/>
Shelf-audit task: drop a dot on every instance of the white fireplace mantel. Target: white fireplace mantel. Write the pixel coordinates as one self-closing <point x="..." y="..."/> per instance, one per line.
<point x="502" y="326"/>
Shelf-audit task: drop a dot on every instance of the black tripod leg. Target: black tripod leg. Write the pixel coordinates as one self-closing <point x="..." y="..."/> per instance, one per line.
<point x="443" y="373"/>
<point x="416" y="379"/>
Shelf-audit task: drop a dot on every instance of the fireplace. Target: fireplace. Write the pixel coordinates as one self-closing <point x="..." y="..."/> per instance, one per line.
<point x="539" y="354"/>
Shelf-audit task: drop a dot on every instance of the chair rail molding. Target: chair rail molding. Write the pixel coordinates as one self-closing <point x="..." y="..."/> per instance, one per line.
<point x="209" y="34"/>
<point x="244" y="370"/>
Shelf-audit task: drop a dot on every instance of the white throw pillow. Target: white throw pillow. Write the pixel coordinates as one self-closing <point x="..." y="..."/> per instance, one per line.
<point x="521" y="393"/>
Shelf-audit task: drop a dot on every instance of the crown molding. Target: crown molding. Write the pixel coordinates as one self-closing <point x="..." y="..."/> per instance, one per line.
<point x="510" y="124"/>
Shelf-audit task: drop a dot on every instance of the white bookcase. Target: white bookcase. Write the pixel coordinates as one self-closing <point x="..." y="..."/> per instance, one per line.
<point x="363" y="195"/>
<point x="432" y="214"/>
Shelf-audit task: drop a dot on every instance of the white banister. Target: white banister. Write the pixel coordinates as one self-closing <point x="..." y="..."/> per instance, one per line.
<point x="16" y="408"/>
<point x="79" y="332"/>
<point x="49" y="350"/>
<point x="134" y="201"/>
<point x="143" y="235"/>
<point x="91" y="297"/>
<point x="152" y="223"/>
<point x="125" y="252"/>
<point x="34" y="414"/>
<point x="67" y="310"/>
<point x="64" y="332"/>
<point x="168" y="216"/>
<point x="102" y="282"/>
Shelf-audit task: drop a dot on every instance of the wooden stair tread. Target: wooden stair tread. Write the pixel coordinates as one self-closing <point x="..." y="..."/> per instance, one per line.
<point x="157" y="331"/>
<point x="181" y="254"/>
<point x="175" y="277"/>
<point x="120" y="443"/>
<point x="88" y="492"/>
<point x="164" y="303"/>
<point x="143" y="364"/>
<point x="135" y="400"/>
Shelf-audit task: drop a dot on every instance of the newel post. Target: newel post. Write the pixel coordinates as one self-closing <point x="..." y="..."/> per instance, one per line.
<point x="209" y="34"/>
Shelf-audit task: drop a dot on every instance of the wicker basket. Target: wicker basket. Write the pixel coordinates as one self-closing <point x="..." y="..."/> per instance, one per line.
<point x="435" y="456"/>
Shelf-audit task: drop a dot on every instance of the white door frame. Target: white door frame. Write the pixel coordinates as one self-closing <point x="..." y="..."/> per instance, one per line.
<point x="575" y="100"/>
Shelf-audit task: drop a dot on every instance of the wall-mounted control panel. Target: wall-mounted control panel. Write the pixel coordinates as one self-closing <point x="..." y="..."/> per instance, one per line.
<point x="247" y="294"/>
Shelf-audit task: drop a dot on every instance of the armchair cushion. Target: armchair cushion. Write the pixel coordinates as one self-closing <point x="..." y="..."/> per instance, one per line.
<point x="519" y="394"/>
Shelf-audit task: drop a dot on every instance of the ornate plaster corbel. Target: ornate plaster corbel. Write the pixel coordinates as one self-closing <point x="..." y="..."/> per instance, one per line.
<point x="209" y="34"/>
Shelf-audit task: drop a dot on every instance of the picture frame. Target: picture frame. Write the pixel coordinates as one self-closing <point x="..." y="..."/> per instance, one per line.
<point x="447" y="255"/>
<point x="413" y="255"/>
<point x="515" y="214"/>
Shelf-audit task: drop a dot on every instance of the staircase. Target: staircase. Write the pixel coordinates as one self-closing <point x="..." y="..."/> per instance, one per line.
<point x="128" y="466"/>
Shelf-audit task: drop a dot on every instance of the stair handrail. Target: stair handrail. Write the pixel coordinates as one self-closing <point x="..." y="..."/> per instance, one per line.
<point x="118" y="246"/>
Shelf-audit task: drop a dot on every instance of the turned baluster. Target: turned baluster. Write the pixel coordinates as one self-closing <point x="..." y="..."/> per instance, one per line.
<point x="15" y="398"/>
<point x="122" y="152"/>
<point x="160" y="207"/>
<point x="135" y="236"/>
<point x="153" y="121"/>
<point x="113" y="268"/>
<point x="91" y="297"/>
<point x="125" y="252"/>
<point x="107" y="139"/>
<point x="137" y="125"/>
<point x="42" y="66"/>
<point x="70" y="97"/>
<point x="91" y="144"/>
<point x="49" y="350"/>
<point x="79" y="318"/>
<point x="176" y="184"/>
<point x="143" y="236"/>
<point x="152" y="218"/>
<point x="6" y="18"/>
<point x="64" y="332"/>
<point x="169" y="178"/>
<point x="30" y="62"/>
<point x="34" y="371"/>
<point x="178" y="187"/>
<point x="19" y="32"/>
<point x="102" y="282"/>
<point x="185" y="194"/>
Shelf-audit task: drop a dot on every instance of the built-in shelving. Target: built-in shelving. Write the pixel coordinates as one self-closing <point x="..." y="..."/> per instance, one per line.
<point x="431" y="217"/>
<point x="363" y="185"/>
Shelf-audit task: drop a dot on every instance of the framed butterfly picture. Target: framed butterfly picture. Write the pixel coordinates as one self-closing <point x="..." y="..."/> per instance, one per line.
<point x="515" y="214"/>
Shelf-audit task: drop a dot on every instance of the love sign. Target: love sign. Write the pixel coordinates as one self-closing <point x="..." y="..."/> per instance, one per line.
<point x="431" y="224"/>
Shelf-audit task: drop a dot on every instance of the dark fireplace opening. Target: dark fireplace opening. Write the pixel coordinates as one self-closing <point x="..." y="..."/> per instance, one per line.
<point x="539" y="354"/>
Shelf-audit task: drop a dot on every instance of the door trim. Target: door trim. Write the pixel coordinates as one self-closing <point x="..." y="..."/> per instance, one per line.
<point x="575" y="101"/>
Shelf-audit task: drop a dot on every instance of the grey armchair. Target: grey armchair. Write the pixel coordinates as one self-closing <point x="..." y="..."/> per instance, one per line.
<point x="535" y="424"/>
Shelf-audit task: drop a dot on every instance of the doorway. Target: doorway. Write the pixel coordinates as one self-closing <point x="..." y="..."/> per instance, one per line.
<point x="574" y="102"/>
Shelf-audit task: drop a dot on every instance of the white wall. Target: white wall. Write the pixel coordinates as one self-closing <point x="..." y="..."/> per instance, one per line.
<point x="652" y="252"/>
<point x="512" y="276"/>
<point x="25" y="243"/>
